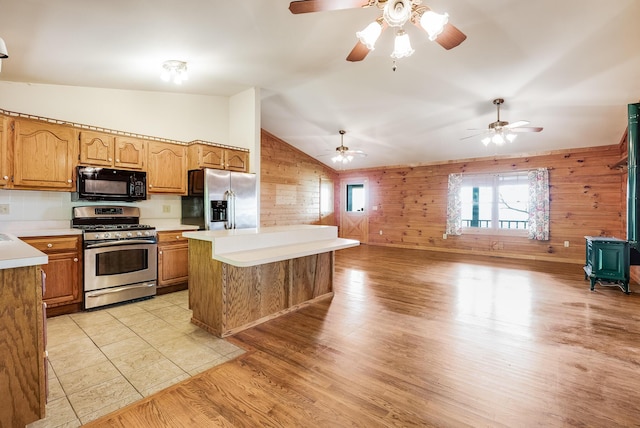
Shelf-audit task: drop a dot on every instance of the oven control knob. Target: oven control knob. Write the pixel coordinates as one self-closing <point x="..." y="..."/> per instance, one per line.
<point x="106" y="235"/>
<point x="97" y="236"/>
<point x="138" y="233"/>
<point x="146" y="233"/>
<point x="117" y="235"/>
<point x="129" y="234"/>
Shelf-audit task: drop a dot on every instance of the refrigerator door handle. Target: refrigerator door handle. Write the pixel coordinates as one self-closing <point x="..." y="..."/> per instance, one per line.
<point x="233" y="210"/>
<point x="227" y="197"/>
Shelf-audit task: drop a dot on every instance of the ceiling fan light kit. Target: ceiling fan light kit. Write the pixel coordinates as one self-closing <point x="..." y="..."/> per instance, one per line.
<point x="343" y="154"/>
<point x="395" y="13"/>
<point x="501" y="131"/>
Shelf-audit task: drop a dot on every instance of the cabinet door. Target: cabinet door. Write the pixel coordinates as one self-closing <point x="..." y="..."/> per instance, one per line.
<point x="63" y="285"/>
<point x="167" y="172"/>
<point x="129" y="153"/>
<point x="5" y="173"/>
<point x="237" y="160"/>
<point x="64" y="270"/>
<point x="96" y="148"/>
<point x="205" y="156"/>
<point x="173" y="258"/>
<point x="43" y="155"/>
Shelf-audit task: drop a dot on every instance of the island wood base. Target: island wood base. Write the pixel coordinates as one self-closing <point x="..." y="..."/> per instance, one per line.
<point x="226" y="299"/>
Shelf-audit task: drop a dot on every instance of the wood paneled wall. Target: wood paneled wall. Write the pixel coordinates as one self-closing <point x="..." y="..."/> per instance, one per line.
<point x="584" y="191"/>
<point x="290" y="184"/>
<point x="588" y="197"/>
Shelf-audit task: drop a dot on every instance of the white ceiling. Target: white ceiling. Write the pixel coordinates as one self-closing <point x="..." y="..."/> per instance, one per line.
<point x="571" y="66"/>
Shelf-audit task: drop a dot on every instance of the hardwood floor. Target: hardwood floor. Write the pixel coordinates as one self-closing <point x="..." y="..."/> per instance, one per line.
<point x="414" y="338"/>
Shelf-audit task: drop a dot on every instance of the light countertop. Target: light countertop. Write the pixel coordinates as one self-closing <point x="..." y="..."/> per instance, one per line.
<point x="14" y="253"/>
<point x="251" y="247"/>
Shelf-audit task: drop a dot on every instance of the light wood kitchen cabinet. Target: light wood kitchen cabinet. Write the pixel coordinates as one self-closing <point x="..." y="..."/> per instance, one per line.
<point x="173" y="261"/>
<point x="44" y="155"/>
<point x="205" y="156"/>
<point x="63" y="290"/>
<point x="22" y="354"/>
<point x="5" y="171"/>
<point x="236" y="160"/>
<point x="167" y="170"/>
<point x="101" y="149"/>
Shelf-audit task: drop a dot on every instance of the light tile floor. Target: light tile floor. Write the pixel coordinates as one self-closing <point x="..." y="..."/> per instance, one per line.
<point x="102" y="360"/>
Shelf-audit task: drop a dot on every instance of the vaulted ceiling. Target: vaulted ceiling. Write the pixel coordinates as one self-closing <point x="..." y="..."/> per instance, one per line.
<point x="570" y="66"/>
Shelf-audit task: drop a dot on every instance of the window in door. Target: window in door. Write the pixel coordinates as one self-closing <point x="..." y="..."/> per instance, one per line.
<point x="355" y="197"/>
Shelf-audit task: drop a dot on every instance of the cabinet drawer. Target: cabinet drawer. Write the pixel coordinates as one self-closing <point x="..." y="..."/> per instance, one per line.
<point x="167" y="237"/>
<point x="57" y="243"/>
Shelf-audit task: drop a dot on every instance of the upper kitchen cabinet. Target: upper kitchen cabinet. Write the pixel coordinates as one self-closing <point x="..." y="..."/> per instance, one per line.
<point x="5" y="172"/>
<point x="101" y="149"/>
<point x="237" y="160"/>
<point x="167" y="170"/>
<point x="205" y="156"/>
<point x="44" y="155"/>
<point x="216" y="157"/>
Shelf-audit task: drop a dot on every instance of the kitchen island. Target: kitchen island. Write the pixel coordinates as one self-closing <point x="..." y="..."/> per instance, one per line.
<point x="242" y="277"/>
<point x="22" y="343"/>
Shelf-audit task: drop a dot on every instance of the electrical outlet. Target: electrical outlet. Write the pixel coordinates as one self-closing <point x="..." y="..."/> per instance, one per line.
<point x="380" y="231"/>
<point x="166" y="208"/>
<point x="444" y="236"/>
<point x="4" y="209"/>
<point x="566" y="244"/>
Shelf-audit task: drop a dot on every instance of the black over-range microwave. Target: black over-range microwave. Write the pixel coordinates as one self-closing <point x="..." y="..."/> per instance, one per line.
<point x="106" y="184"/>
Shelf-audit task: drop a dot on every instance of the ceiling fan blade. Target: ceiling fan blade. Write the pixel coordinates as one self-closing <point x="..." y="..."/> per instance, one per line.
<point x="306" y="6"/>
<point x="527" y="129"/>
<point x="450" y="37"/>
<point x="471" y="136"/>
<point x="517" y="124"/>
<point x="358" y="53"/>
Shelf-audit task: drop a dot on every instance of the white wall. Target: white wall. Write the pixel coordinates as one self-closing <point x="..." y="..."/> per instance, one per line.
<point x="178" y="117"/>
<point x="233" y="121"/>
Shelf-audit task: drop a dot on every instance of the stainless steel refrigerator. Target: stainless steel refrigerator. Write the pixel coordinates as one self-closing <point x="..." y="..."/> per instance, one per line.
<point x="220" y="200"/>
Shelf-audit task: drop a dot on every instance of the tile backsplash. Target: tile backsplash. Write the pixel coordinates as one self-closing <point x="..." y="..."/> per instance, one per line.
<point x="48" y="209"/>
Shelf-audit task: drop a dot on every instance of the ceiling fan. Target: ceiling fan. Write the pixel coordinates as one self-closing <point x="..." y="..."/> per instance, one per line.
<point x="343" y="154"/>
<point x="395" y="13"/>
<point x="501" y="131"/>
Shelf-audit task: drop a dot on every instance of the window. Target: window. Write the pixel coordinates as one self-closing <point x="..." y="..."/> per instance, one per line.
<point x="495" y="201"/>
<point x="499" y="202"/>
<point x="355" y="197"/>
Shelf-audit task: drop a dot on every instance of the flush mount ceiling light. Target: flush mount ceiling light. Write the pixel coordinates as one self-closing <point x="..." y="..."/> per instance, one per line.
<point x="395" y="13"/>
<point x="3" y="49"/>
<point x="174" y="71"/>
<point x="3" y="52"/>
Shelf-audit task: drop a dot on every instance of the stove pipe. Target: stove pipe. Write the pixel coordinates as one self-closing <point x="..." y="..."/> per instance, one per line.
<point x="633" y="183"/>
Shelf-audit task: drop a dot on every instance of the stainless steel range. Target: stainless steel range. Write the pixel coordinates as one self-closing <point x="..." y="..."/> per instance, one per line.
<point x="120" y="254"/>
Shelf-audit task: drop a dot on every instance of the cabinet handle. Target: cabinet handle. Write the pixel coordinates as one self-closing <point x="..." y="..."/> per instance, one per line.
<point x="117" y="160"/>
<point x="69" y="180"/>
<point x="6" y="177"/>
<point x="75" y="259"/>
<point x="49" y="245"/>
<point x="111" y="159"/>
<point x="159" y="252"/>
<point x="178" y="237"/>
<point x="150" y="185"/>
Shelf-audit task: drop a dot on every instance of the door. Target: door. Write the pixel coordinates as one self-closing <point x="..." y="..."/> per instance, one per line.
<point x="245" y="207"/>
<point x="354" y="218"/>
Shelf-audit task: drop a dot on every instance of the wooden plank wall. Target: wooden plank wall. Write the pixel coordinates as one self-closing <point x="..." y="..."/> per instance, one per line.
<point x="587" y="198"/>
<point x="584" y="192"/>
<point x="290" y="184"/>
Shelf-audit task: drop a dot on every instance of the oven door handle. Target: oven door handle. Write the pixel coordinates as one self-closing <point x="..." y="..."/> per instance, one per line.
<point x="120" y="289"/>
<point x="122" y="242"/>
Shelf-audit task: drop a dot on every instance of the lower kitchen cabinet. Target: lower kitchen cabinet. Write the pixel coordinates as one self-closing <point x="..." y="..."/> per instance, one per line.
<point x="173" y="261"/>
<point x="22" y="354"/>
<point x="63" y="286"/>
